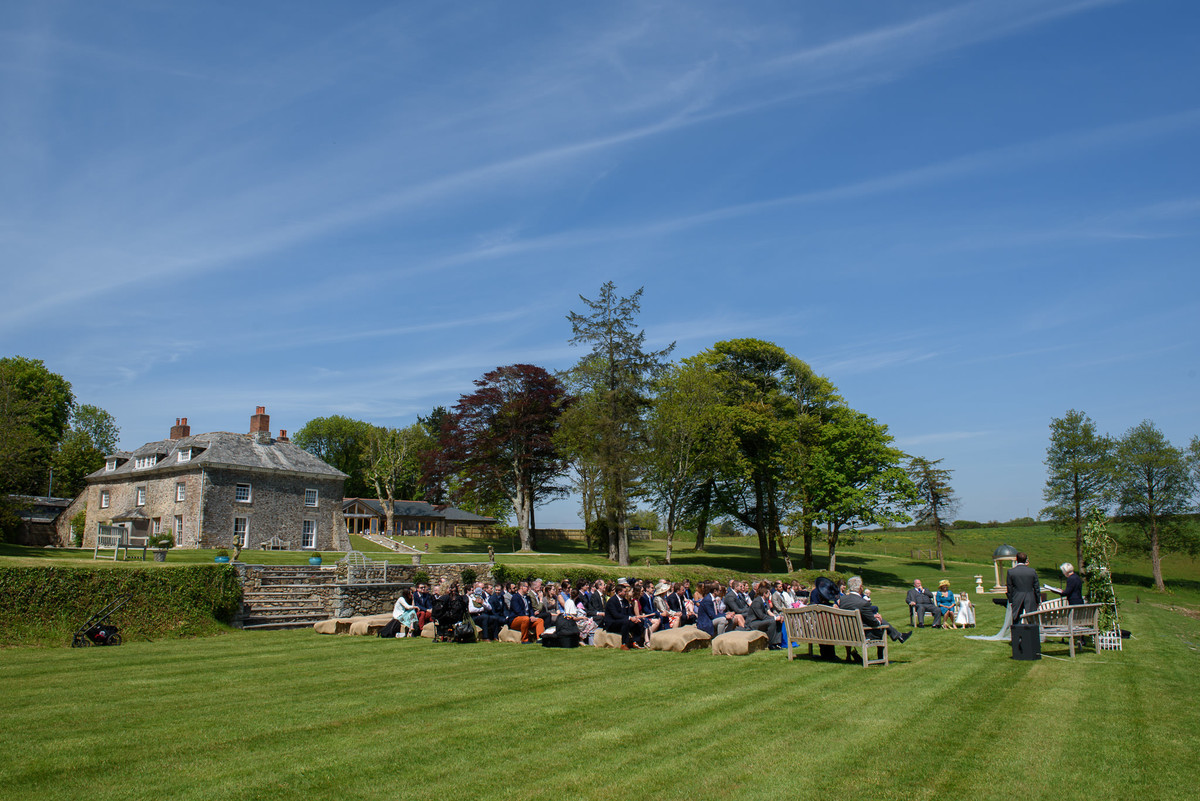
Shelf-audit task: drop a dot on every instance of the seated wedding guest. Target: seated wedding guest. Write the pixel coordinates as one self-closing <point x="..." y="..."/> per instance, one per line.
<point x="522" y="617"/>
<point x="481" y="615"/>
<point x="799" y="594"/>
<point x="619" y="618"/>
<point x="921" y="600"/>
<point x="572" y="607"/>
<point x="496" y="607"/>
<point x="669" y="618"/>
<point x="1073" y="589"/>
<point x="423" y="601"/>
<point x="644" y="606"/>
<point x="781" y="597"/>
<point x="708" y="619"/>
<point x="946" y="601"/>
<point x="595" y="600"/>
<point x="853" y="599"/>
<point x="681" y="604"/>
<point x="737" y="608"/>
<point x="762" y="618"/>
<point x="405" y="613"/>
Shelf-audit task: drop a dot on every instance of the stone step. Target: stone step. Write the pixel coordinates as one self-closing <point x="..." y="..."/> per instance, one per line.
<point x="279" y="624"/>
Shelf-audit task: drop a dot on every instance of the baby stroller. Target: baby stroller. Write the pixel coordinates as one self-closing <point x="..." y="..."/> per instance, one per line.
<point x="96" y="631"/>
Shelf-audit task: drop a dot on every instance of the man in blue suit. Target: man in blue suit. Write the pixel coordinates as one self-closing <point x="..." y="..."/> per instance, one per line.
<point x="677" y="602"/>
<point x="708" y="619"/>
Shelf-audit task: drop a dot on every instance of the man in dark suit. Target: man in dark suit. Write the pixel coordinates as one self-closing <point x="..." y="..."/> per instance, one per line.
<point x="921" y="600"/>
<point x="620" y="619"/>
<point x="521" y="616"/>
<point x="853" y="599"/>
<point x="737" y="609"/>
<point x="593" y="602"/>
<point x="1022" y="588"/>
<point x="762" y="619"/>
<point x="677" y="602"/>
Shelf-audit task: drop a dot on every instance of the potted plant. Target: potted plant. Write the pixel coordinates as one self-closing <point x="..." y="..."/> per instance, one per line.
<point x="161" y="543"/>
<point x="222" y="556"/>
<point x="315" y="558"/>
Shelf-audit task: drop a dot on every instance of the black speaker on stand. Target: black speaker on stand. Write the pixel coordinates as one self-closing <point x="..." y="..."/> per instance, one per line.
<point x="1026" y="642"/>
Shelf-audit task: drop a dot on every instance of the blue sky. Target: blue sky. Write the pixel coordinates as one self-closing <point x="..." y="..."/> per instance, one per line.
<point x="971" y="217"/>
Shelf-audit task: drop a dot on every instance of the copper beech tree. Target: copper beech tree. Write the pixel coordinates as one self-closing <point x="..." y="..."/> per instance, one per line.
<point x="500" y="439"/>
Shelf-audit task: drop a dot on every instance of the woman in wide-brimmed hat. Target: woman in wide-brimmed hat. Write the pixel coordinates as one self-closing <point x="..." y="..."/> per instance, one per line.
<point x="946" y="602"/>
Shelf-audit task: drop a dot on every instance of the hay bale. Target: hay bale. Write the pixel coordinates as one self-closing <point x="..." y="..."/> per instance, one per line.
<point x="368" y="625"/>
<point x="606" y="639"/>
<point x="739" y="643"/>
<point x="680" y="640"/>
<point x="429" y="631"/>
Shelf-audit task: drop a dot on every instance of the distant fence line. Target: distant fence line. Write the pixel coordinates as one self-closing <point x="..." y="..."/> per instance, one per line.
<point x="491" y="532"/>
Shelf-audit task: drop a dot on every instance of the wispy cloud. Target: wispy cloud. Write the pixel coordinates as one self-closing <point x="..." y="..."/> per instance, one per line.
<point x="916" y="440"/>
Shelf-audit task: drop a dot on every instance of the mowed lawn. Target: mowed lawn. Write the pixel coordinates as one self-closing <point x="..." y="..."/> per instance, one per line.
<point x="259" y="715"/>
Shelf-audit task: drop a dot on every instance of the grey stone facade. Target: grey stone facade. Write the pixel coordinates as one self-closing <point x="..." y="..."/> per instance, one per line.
<point x="190" y="485"/>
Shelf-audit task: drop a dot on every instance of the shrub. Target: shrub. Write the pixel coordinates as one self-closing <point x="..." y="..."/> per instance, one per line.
<point x="468" y="577"/>
<point x="46" y="604"/>
<point x="78" y="527"/>
<point x="420" y="577"/>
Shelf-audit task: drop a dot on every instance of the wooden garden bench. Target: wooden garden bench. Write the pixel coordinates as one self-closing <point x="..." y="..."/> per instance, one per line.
<point x="1068" y="622"/>
<point x="276" y="544"/>
<point x="828" y="625"/>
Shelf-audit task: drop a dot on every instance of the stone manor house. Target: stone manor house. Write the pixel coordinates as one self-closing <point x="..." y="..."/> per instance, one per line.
<point x="217" y="489"/>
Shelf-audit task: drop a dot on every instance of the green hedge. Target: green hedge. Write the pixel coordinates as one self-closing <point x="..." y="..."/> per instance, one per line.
<point x="44" y="605"/>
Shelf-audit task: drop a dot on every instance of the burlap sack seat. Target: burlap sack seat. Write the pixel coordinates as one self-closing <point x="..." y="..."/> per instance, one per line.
<point x="429" y="631"/>
<point x="606" y="639"/>
<point x="509" y="635"/>
<point x="327" y="626"/>
<point x="680" y="640"/>
<point x="368" y="625"/>
<point x="739" y="643"/>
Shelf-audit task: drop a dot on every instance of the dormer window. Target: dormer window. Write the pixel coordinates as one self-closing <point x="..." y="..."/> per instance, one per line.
<point x="110" y="465"/>
<point x="143" y="462"/>
<point x="185" y="454"/>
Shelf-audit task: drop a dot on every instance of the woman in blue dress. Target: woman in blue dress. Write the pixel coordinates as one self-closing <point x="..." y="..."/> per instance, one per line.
<point x="946" y="602"/>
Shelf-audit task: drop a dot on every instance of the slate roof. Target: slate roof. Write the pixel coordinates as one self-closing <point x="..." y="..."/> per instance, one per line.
<point x="222" y="449"/>
<point x="421" y="509"/>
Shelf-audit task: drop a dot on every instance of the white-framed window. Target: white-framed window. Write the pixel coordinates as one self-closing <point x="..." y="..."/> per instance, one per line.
<point x="141" y="496"/>
<point x="310" y="497"/>
<point x="309" y="538"/>
<point x="241" y="530"/>
<point x="156" y="525"/>
<point x="185" y="455"/>
<point x="110" y="465"/>
<point x="178" y="529"/>
<point x="143" y="462"/>
<point x="241" y="493"/>
<point x="105" y="498"/>
<point x="181" y="491"/>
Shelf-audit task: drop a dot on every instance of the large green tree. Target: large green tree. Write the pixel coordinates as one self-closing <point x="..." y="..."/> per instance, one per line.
<point x="1079" y="463"/>
<point x="772" y="406"/>
<point x="91" y="435"/>
<point x="683" y="431"/>
<point x="391" y="462"/>
<point x="35" y="409"/>
<point x="937" y="499"/>
<point x="855" y="477"/>
<point x="606" y="428"/>
<point x="339" y="442"/>
<point x="1154" y="488"/>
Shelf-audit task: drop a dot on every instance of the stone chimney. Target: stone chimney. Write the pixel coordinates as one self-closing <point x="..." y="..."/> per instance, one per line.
<point x="283" y="435"/>
<point x="260" y="425"/>
<point x="181" y="429"/>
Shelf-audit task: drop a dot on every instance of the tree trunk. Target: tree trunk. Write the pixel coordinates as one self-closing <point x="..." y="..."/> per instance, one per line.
<point x="772" y="525"/>
<point x="833" y="538"/>
<point x="1156" y="557"/>
<point x="806" y="523"/>
<point x="760" y="528"/>
<point x="522" y="510"/>
<point x="622" y="539"/>
<point x="532" y="524"/>
<point x="937" y="531"/>
<point x="702" y="519"/>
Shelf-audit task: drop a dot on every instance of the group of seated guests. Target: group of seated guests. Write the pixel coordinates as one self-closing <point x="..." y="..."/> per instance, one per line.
<point x="632" y="608"/>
